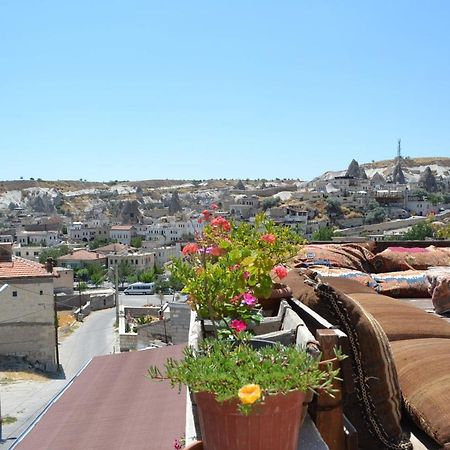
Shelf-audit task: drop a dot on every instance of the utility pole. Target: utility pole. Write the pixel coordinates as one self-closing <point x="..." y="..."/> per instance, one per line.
<point x="80" y="314"/>
<point x="56" y="332"/>
<point x="116" y="295"/>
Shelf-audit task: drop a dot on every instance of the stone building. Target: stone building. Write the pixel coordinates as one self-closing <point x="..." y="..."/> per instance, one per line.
<point x="27" y="321"/>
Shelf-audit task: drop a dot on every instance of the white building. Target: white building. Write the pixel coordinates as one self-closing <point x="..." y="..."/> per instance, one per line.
<point x="166" y="254"/>
<point x="139" y="261"/>
<point x="32" y="253"/>
<point x="47" y="238"/>
<point x="122" y="233"/>
<point x="87" y="231"/>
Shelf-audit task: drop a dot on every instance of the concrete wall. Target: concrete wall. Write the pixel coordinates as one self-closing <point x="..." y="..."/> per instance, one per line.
<point x="27" y="326"/>
<point x="180" y="316"/>
<point x="141" y="311"/>
<point x="149" y="332"/>
<point x="102" y="299"/>
<point x="64" y="281"/>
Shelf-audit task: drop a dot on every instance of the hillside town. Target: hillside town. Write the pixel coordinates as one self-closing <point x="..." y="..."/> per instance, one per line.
<point x="81" y="249"/>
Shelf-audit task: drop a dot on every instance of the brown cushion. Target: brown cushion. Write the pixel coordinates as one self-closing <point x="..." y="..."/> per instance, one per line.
<point x="350" y="256"/>
<point x="375" y="407"/>
<point x="404" y="284"/>
<point x="423" y="367"/>
<point x="400" y="320"/>
<point x="403" y="258"/>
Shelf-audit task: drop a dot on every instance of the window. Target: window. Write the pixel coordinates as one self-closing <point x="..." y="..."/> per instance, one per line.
<point x="41" y="292"/>
<point x="14" y="293"/>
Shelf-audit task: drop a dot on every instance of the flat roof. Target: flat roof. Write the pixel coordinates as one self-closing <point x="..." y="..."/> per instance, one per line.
<point x="113" y="405"/>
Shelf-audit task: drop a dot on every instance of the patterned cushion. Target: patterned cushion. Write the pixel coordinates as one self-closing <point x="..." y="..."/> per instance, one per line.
<point x="440" y="290"/>
<point x="375" y="407"/>
<point x="349" y="274"/>
<point x="423" y="367"/>
<point x="403" y="258"/>
<point x="350" y="256"/>
<point x="405" y="284"/>
<point x="400" y="320"/>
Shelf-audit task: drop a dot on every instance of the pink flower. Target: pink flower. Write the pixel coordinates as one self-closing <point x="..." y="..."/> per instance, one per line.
<point x="213" y="206"/>
<point x="269" y="238"/>
<point x="189" y="249"/>
<point x="177" y="445"/>
<point x="206" y="214"/>
<point x="238" y="325"/>
<point x="249" y="299"/>
<point x="234" y="267"/>
<point x="246" y="275"/>
<point x="281" y="272"/>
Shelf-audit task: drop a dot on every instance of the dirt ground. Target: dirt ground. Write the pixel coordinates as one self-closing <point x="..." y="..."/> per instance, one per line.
<point x="65" y="318"/>
<point x="13" y="369"/>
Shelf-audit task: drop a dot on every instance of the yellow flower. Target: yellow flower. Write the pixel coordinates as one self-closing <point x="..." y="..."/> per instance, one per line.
<point x="249" y="393"/>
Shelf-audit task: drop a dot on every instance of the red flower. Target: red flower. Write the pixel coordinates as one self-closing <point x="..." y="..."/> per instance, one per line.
<point x="238" y="325"/>
<point x="281" y="272"/>
<point x="217" y="251"/>
<point x="189" y="249"/>
<point x="220" y="222"/>
<point x="269" y="238"/>
<point x="206" y="214"/>
<point x="213" y="206"/>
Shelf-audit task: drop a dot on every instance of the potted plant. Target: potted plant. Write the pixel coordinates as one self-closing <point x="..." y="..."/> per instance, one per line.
<point x="230" y="268"/>
<point x="248" y="398"/>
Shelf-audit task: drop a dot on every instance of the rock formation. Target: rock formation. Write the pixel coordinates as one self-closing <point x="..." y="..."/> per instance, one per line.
<point x="428" y="181"/>
<point x="354" y="170"/>
<point x="175" y="204"/>
<point x="398" y="177"/>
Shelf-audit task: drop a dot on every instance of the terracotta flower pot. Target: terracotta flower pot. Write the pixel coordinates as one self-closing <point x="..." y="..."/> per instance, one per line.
<point x="274" y="424"/>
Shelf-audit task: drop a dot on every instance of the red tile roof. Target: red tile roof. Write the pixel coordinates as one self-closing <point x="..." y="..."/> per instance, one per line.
<point x="81" y="255"/>
<point x="122" y="227"/>
<point x="22" y="268"/>
<point x="113" y="405"/>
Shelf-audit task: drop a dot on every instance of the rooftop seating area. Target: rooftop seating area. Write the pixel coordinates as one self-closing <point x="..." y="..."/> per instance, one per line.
<point x="397" y="335"/>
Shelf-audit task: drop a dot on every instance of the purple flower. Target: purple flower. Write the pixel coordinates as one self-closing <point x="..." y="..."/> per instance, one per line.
<point x="249" y="299"/>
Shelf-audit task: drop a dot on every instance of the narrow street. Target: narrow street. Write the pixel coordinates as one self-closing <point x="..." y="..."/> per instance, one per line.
<point x="25" y="400"/>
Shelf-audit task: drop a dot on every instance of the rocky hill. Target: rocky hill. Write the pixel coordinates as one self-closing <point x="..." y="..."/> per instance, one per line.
<point x="412" y="168"/>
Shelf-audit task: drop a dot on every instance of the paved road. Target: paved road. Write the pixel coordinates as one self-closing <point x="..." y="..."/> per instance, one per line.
<point x="25" y="400"/>
<point x="140" y="300"/>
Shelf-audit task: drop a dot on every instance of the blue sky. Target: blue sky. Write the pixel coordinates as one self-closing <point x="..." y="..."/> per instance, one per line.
<point x="131" y="89"/>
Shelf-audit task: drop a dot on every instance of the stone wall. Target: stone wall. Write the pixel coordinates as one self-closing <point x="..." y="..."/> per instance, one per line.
<point x="27" y="326"/>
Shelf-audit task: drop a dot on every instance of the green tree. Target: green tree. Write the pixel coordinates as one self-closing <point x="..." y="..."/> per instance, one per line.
<point x="53" y="252"/>
<point x="136" y="242"/>
<point x="323" y="234"/>
<point x="419" y="232"/>
<point x="147" y="276"/>
<point x="98" y="242"/>
<point x="376" y="215"/>
<point x="125" y="270"/>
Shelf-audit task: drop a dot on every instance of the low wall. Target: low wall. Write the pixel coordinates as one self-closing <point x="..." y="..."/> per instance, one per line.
<point x="98" y="300"/>
<point x="141" y="311"/>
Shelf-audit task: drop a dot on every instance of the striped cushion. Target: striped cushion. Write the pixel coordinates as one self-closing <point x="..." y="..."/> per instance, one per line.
<point x="401" y="320"/>
<point x="423" y="367"/>
<point x="375" y="407"/>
